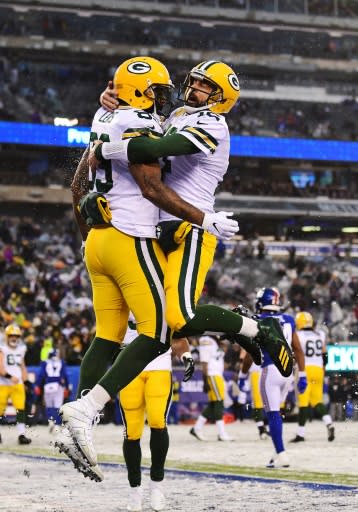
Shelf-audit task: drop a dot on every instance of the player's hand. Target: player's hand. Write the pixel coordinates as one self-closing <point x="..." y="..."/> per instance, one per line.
<point x="242" y="381"/>
<point x="14" y="380"/>
<point x="189" y="365"/>
<point x="302" y="382"/>
<point x="93" y="161"/>
<point x="108" y="98"/>
<point x="66" y="393"/>
<point x="206" y="385"/>
<point x="220" y="224"/>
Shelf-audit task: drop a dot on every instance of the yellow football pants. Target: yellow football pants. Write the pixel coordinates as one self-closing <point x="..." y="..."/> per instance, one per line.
<point x="149" y="393"/>
<point x="16" y="393"/>
<point x="256" y="399"/>
<point x="185" y="275"/>
<point x="314" y="391"/>
<point x="217" y="388"/>
<point x="127" y="273"/>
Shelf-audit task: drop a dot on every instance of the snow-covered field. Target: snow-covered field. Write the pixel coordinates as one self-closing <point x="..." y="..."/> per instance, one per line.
<point x="32" y="483"/>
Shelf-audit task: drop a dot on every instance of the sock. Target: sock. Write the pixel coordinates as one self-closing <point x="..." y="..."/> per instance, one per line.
<point x="97" y="397"/>
<point x="200" y="422"/>
<point x="258" y="415"/>
<point x="221" y="428"/>
<point x="52" y="414"/>
<point x="159" y="445"/>
<point x="301" y="431"/>
<point x="327" y="419"/>
<point x="130" y="362"/>
<point x="259" y="424"/>
<point x="95" y="363"/>
<point x="215" y="319"/>
<point x="21" y="429"/>
<point x="132" y="454"/>
<point x="275" y="423"/>
<point x="302" y="416"/>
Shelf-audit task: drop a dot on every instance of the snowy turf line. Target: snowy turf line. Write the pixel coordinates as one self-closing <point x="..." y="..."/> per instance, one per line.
<point x="305" y="480"/>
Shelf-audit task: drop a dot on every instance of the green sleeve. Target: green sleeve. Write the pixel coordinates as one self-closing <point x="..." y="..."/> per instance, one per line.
<point x="144" y="150"/>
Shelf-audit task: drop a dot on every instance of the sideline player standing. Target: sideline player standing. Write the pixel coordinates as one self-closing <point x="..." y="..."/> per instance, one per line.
<point x="313" y="344"/>
<point x="13" y="375"/>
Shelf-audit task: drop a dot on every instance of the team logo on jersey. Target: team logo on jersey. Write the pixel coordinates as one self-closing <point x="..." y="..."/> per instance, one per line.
<point x="234" y="82"/>
<point x="139" y="67"/>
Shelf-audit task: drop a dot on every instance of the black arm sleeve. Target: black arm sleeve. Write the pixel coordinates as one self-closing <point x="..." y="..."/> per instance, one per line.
<point x="145" y="150"/>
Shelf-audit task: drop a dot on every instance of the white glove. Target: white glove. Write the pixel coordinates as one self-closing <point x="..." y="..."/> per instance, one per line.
<point x="220" y="225"/>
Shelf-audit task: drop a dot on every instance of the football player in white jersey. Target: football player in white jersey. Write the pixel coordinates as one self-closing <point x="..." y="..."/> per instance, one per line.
<point x="274" y="386"/>
<point x="196" y="147"/>
<point x="313" y="343"/>
<point x="13" y="375"/>
<point x="149" y="395"/>
<point x="211" y="357"/>
<point x="140" y="260"/>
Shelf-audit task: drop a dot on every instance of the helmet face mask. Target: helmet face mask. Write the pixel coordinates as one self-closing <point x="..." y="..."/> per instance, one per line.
<point x="143" y="83"/>
<point x="268" y="299"/>
<point x="223" y="81"/>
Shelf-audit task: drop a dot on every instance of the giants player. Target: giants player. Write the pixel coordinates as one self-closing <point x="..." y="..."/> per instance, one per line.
<point x="13" y="375"/>
<point x="313" y="343"/>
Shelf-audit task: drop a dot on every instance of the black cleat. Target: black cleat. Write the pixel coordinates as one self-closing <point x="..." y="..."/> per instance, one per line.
<point x="263" y="432"/>
<point x="22" y="439"/>
<point x="270" y="338"/>
<point x="331" y="435"/>
<point x="297" y="439"/>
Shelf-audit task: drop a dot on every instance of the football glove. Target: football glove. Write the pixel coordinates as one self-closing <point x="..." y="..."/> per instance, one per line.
<point x="94" y="208"/>
<point x="302" y="382"/>
<point x="220" y="225"/>
<point x="189" y="365"/>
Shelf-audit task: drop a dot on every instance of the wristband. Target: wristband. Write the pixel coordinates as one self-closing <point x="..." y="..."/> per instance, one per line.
<point x="186" y="355"/>
<point x="301" y="374"/>
<point x="242" y="375"/>
<point x="7" y="375"/>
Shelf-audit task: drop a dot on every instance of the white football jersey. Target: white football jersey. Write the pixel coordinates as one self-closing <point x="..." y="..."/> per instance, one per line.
<point x="13" y="358"/>
<point x="312" y="343"/>
<point x="162" y="362"/>
<point x="212" y="354"/>
<point x="131" y="213"/>
<point x="195" y="177"/>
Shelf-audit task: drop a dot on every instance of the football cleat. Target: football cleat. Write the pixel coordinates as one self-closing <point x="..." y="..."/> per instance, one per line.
<point x="65" y="444"/>
<point x="297" y="439"/>
<point x="280" y="460"/>
<point x="197" y="433"/>
<point x="263" y="433"/>
<point x="331" y="433"/>
<point x="22" y="439"/>
<point x="225" y="437"/>
<point x="135" y="499"/>
<point x="79" y="417"/>
<point x="270" y="338"/>
<point x="157" y="497"/>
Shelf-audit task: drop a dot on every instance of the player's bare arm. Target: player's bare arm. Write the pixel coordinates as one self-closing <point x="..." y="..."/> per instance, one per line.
<point x="79" y="188"/>
<point x="298" y="352"/>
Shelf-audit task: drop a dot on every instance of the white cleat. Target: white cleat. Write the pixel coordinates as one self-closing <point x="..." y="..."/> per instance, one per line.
<point x="157" y="498"/>
<point x="197" y="433"/>
<point x="225" y="437"/>
<point x="280" y="460"/>
<point x="65" y="444"/>
<point x="135" y="499"/>
<point x="79" y="417"/>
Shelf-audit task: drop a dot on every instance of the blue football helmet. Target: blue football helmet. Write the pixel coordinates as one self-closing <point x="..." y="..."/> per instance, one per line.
<point x="268" y="299"/>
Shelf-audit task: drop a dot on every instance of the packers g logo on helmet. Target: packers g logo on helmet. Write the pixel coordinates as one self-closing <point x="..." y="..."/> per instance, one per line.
<point x="304" y="320"/>
<point x="224" y="81"/>
<point x="136" y="80"/>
